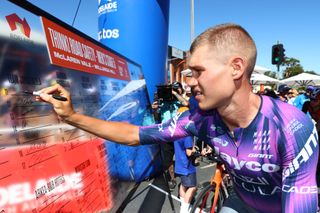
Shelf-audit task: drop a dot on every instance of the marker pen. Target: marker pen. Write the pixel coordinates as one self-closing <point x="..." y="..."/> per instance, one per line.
<point x="55" y="96"/>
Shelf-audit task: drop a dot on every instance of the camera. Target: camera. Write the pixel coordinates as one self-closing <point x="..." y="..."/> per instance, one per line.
<point x="194" y="156"/>
<point x="164" y="93"/>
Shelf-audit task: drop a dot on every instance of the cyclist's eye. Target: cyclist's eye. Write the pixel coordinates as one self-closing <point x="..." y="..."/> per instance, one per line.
<point x="195" y="73"/>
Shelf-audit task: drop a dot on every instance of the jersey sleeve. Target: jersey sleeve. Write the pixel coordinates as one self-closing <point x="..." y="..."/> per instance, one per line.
<point x="299" y="149"/>
<point x="180" y="126"/>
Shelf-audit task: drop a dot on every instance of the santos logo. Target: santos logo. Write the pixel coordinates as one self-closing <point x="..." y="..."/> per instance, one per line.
<point x="108" y="33"/>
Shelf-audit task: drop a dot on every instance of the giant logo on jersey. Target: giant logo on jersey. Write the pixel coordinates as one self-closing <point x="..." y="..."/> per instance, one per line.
<point x="304" y="155"/>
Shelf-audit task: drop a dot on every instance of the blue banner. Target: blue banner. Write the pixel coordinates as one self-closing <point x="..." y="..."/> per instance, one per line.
<point x="139" y="31"/>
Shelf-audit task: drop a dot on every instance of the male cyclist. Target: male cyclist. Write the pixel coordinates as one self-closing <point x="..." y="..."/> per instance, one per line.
<point x="269" y="147"/>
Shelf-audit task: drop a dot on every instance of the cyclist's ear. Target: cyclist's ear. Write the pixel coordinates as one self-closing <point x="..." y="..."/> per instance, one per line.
<point x="237" y="67"/>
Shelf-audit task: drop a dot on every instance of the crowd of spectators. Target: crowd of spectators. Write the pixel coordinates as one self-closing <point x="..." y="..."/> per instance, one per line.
<point x="165" y="107"/>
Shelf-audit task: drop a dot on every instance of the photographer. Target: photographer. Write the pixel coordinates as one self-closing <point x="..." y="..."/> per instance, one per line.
<point x="167" y="100"/>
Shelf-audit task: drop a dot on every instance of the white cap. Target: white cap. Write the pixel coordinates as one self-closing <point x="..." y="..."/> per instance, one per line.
<point x="186" y="72"/>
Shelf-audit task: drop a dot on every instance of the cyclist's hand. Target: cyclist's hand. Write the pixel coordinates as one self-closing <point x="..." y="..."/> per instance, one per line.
<point x="206" y="151"/>
<point x="155" y="105"/>
<point x="64" y="109"/>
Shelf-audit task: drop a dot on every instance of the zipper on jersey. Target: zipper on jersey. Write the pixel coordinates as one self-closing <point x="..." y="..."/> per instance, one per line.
<point x="234" y="140"/>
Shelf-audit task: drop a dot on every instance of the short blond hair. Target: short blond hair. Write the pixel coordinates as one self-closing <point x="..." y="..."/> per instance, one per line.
<point x="230" y="39"/>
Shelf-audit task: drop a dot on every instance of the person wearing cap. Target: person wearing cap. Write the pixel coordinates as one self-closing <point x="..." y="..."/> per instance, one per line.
<point x="300" y="99"/>
<point x="283" y="92"/>
<point x="271" y="93"/>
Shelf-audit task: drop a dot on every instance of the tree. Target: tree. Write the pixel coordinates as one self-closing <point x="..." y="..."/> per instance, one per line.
<point x="312" y="72"/>
<point x="292" y="67"/>
<point x="271" y="74"/>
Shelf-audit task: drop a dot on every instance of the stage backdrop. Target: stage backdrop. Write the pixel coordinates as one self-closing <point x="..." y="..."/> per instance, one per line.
<point x="138" y="30"/>
<point x="47" y="165"/>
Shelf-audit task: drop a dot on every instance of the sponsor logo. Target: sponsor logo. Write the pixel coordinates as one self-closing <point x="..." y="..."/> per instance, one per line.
<point x="108" y="7"/>
<point x="304" y="155"/>
<point x="300" y="189"/>
<point x="261" y="140"/>
<point x="254" y="166"/>
<point x="218" y="141"/>
<point x="262" y="186"/>
<point x="15" y="22"/>
<point x="293" y="126"/>
<point x="173" y="124"/>
<point x="108" y="33"/>
<point x="264" y="189"/>
<point x="252" y="180"/>
<point x="160" y="127"/>
<point x="213" y="127"/>
<point x="259" y="155"/>
<point x="23" y="192"/>
<point x="217" y="129"/>
<point x="189" y="123"/>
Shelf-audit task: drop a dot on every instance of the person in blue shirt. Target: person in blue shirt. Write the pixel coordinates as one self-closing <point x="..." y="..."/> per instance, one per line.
<point x="185" y="170"/>
<point x="302" y="98"/>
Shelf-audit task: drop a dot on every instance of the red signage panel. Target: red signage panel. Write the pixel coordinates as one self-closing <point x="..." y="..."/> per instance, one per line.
<point x="69" y="50"/>
<point x="55" y="178"/>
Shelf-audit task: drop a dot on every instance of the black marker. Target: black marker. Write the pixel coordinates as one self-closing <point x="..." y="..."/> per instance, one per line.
<point x="58" y="97"/>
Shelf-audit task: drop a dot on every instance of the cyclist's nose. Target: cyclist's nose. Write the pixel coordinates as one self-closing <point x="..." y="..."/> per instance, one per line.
<point x="192" y="82"/>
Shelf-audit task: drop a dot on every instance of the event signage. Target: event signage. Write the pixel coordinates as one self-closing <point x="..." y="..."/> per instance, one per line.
<point x="69" y="50"/>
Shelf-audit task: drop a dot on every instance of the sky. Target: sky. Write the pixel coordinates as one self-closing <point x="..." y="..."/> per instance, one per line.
<point x="294" y="23"/>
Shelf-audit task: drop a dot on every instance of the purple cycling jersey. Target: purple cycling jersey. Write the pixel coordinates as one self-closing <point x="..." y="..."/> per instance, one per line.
<point x="272" y="161"/>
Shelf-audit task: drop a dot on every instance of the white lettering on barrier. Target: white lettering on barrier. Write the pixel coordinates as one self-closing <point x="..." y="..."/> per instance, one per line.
<point x="75" y="47"/>
<point x="106" y="59"/>
<point x="23" y="192"/>
<point x="59" y="40"/>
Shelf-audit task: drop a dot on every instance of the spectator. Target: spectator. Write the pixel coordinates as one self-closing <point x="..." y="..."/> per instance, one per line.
<point x="292" y="94"/>
<point x="184" y="169"/>
<point x="271" y="93"/>
<point x="163" y="111"/>
<point x="283" y="92"/>
<point x="300" y="99"/>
